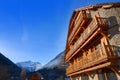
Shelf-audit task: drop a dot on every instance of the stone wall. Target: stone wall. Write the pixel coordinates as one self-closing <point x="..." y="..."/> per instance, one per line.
<point x="112" y="18"/>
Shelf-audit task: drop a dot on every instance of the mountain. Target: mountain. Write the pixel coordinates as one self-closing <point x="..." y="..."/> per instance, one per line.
<point x="8" y="70"/>
<point x="58" y="61"/>
<point x="55" y="69"/>
<point x="29" y="65"/>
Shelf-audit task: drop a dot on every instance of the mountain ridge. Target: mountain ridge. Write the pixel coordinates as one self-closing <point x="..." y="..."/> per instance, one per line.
<point x="8" y="69"/>
<point x="29" y="65"/>
<point x="55" y="61"/>
<point x="54" y="69"/>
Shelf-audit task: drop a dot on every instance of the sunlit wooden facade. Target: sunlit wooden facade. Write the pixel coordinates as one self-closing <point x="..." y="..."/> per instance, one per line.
<point x="93" y="43"/>
<point x="35" y="76"/>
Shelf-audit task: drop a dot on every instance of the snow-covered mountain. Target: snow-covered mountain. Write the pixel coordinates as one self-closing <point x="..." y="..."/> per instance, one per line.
<point x="29" y="65"/>
<point x="58" y="61"/>
<point x="55" y="69"/>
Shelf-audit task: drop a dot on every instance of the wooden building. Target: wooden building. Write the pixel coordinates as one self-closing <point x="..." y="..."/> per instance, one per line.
<point x="35" y="76"/>
<point x="93" y="43"/>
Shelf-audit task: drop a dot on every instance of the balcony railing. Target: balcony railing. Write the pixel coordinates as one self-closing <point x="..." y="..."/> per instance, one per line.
<point x="95" y="24"/>
<point x="98" y="56"/>
<point x="82" y="18"/>
<point x="115" y="50"/>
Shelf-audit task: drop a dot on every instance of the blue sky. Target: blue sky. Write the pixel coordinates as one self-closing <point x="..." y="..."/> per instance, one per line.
<point x="36" y="30"/>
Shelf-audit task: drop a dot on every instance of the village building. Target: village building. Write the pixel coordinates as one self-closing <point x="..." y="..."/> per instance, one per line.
<point x="35" y="76"/>
<point x="93" y="43"/>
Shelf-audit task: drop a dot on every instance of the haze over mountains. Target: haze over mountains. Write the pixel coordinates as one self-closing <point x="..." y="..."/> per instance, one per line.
<point x="30" y="66"/>
<point x="58" y="61"/>
<point x="55" y="69"/>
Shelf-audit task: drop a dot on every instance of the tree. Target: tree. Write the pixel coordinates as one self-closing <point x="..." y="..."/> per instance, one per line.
<point x="61" y="78"/>
<point x="3" y="73"/>
<point x="23" y="74"/>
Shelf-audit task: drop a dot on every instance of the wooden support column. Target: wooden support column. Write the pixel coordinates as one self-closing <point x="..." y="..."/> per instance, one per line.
<point x="84" y="58"/>
<point x="106" y="78"/>
<point x="110" y="52"/>
<point x="104" y="34"/>
<point x="70" y="78"/>
<point x="114" y="69"/>
<point x="98" y="75"/>
<point x="84" y="53"/>
<point x="90" y="55"/>
<point x="89" y="74"/>
<point x="105" y="52"/>
<point x="83" y="28"/>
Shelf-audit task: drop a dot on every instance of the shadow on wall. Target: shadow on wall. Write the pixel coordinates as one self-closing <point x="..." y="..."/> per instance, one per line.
<point x="114" y="30"/>
<point x="113" y="26"/>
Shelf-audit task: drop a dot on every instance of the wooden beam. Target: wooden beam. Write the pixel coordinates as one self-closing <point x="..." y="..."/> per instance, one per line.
<point x="81" y="47"/>
<point x="107" y="6"/>
<point x="113" y="68"/>
<point x="91" y="68"/>
<point x="88" y="73"/>
<point x="106" y="78"/>
<point x="104" y="34"/>
<point x="83" y="28"/>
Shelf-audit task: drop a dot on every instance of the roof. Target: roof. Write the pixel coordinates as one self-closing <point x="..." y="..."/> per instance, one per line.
<point x="91" y="7"/>
<point x="96" y="6"/>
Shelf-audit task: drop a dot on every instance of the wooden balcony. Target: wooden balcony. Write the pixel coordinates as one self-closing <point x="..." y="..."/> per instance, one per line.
<point x="95" y="25"/>
<point x="100" y="55"/>
<point x="81" y="19"/>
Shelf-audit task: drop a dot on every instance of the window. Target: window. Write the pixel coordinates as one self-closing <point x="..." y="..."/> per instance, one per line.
<point x="107" y="74"/>
<point x="101" y="76"/>
<point x="84" y="77"/>
<point x="111" y="75"/>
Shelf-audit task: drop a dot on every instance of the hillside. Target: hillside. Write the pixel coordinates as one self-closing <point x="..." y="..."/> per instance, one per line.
<point x="55" y="69"/>
<point x="8" y="70"/>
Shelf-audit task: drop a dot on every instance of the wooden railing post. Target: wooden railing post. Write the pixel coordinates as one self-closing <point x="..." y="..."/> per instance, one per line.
<point x="105" y="52"/>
